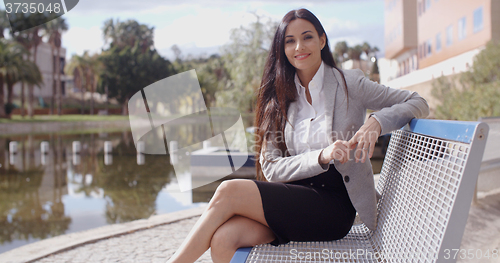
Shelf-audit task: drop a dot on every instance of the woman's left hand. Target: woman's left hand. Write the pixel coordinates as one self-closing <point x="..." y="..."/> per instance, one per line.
<point x="365" y="139"/>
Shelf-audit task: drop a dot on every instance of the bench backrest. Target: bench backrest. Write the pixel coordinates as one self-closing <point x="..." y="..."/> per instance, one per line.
<point x="427" y="182"/>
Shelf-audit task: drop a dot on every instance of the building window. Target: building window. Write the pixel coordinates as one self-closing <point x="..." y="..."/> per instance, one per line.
<point x="427" y="4"/>
<point x="461" y="28"/>
<point x="449" y="35"/>
<point x="478" y="19"/>
<point x="428" y="48"/>
<point x="438" y="42"/>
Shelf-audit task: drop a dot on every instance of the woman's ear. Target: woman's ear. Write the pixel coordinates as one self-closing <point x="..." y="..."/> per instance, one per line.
<point x="322" y="41"/>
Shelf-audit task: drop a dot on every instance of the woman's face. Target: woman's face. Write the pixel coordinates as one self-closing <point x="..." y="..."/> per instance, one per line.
<point x="303" y="45"/>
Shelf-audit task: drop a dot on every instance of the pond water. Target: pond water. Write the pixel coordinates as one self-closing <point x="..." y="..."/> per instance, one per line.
<point x="45" y="195"/>
<point x="42" y="196"/>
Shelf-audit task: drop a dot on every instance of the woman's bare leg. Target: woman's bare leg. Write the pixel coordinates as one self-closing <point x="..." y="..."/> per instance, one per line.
<point x="235" y="233"/>
<point x="233" y="197"/>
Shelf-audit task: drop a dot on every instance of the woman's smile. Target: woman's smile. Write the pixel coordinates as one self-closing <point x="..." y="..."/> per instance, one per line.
<point x="302" y="56"/>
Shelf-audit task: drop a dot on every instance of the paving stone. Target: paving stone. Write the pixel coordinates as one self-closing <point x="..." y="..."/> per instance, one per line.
<point x="155" y="244"/>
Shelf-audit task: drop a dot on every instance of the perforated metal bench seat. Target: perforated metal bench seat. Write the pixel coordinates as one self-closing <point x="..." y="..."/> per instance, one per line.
<point x="427" y="182"/>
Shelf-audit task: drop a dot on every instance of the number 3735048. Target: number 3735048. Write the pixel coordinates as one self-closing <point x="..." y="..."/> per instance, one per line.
<point x="33" y="8"/>
<point x="470" y="254"/>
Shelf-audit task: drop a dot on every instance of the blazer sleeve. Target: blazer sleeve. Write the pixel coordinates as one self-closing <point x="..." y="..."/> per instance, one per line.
<point x="291" y="168"/>
<point x="394" y="107"/>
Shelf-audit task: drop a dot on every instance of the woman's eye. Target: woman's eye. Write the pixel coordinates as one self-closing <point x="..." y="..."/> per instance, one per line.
<point x="308" y="37"/>
<point x="289" y="41"/>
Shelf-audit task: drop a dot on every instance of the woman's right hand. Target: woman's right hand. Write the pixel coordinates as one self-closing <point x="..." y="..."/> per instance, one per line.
<point x="339" y="150"/>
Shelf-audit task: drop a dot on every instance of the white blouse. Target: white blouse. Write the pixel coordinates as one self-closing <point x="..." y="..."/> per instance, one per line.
<point x="310" y="122"/>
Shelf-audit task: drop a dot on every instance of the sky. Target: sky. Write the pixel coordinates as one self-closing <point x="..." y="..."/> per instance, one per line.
<point x="202" y="27"/>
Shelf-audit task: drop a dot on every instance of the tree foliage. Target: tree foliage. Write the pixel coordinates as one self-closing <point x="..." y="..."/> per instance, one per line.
<point x="13" y="69"/>
<point x="473" y="94"/>
<point x="244" y="58"/>
<point x="86" y="71"/>
<point x="128" y="71"/>
<point x="340" y="51"/>
<point x="131" y="62"/>
<point x="53" y="30"/>
<point x="128" y="34"/>
<point x="30" y="38"/>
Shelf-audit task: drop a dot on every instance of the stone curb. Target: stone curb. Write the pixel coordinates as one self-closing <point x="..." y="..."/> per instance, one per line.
<point x="43" y="248"/>
<point x="55" y="127"/>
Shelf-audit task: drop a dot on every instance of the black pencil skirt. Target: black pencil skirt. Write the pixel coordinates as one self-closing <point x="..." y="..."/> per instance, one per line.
<point x="312" y="209"/>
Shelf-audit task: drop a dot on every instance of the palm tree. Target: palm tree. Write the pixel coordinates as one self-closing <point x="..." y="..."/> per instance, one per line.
<point x="4" y="22"/>
<point x="85" y="70"/>
<point x="367" y="49"/>
<point x="23" y="38"/>
<point x="76" y="67"/>
<point x="14" y="68"/>
<point x="29" y="38"/>
<point x="341" y="49"/>
<point x="94" y="67"/>
<point x="37" y="39"/>
<point x="126" y="33"/>
<point x="54" y="29"/>
<point x="18" y="69"/>
<point x="354" y="53"/>
<point x="3" y="55"/>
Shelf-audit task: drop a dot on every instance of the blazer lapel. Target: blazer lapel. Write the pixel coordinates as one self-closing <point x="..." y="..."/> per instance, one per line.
<point x="330" y="85"/>
<point x="292" y="111"/>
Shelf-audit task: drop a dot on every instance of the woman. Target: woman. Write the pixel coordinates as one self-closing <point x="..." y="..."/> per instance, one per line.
<point x="312" y="144"/>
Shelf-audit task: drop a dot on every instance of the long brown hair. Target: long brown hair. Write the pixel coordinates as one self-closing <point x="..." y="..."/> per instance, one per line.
<point x="277" y="89"/>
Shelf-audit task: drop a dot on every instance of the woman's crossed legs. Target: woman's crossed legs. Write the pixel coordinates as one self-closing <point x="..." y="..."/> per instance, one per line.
<point x="234" y="218"/>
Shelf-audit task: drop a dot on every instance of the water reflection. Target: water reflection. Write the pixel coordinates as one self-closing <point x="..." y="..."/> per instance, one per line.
<point x="131" y="192"/>
<point x="48" y="193"/>
<point x="31" y="195"/>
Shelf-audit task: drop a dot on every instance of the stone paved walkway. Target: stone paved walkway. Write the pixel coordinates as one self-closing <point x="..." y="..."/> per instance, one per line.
<point x="152" y="245"/>
<point x="157" y="244"/>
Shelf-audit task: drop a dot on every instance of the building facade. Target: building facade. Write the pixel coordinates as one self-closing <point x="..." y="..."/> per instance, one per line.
<point x="426" y="39"/>
<point x="45" y="64"/>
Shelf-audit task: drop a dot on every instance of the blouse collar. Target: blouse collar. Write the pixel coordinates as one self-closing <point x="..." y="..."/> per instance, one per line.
<point x="315" y="83"/>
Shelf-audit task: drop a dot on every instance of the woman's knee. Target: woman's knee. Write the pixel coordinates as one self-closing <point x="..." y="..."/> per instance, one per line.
<point x="228" y="192"/>
<point x="238" y="197"/>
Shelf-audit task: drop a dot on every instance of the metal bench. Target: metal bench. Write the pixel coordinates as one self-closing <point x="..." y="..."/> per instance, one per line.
<point x="426" y="183"/>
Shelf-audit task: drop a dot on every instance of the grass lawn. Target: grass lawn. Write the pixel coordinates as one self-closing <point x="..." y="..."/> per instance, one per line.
<point x="63" y="118"/>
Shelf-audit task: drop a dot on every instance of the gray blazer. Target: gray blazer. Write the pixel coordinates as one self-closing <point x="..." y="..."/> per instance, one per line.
<point x="394" y="108"/>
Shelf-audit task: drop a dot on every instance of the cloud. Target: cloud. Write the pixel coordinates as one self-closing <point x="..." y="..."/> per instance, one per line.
<point x="78" y="39"/>
<point x="134" y="6"/>
<point x="195" y="25"/>
<point x="204" y="28"/>
<point x="354" y="33"/>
